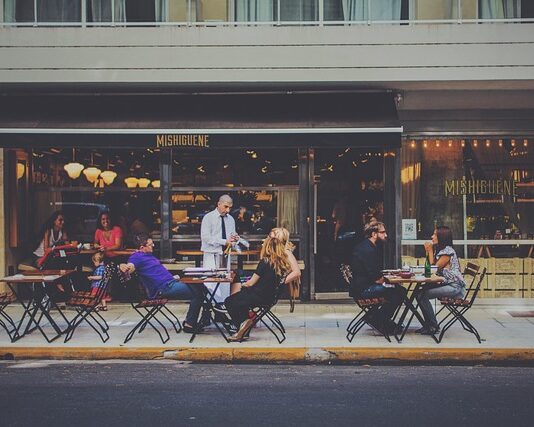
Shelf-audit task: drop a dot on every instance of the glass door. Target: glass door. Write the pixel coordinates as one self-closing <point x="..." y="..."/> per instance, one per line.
<point x="348" y="190"/>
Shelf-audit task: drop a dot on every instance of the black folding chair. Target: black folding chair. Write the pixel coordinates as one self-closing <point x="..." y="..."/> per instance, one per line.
<point x="87" y="305"/>
<point x="368" y="309"/>
<point x="261" y="312"/>
<point x="457" y="308"/>
<point x="471" y="270"/>
<point x="6" y="320"/>
<point x="149" y="309"/>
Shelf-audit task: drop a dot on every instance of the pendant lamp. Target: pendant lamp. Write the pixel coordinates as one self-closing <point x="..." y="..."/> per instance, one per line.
<point x="73" y="169"/>
<point x="131" y="182"/>
<point x="143" y="182"/>
<point x="92" y="173"/>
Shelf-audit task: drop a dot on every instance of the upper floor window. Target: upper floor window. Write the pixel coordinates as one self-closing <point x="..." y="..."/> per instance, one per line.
<point x="146" y="11"/>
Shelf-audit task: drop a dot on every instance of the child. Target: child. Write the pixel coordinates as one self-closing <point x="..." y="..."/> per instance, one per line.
<point x="96" y="277"/>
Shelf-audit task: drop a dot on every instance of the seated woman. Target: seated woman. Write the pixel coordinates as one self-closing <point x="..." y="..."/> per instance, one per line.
<point x="441" y="253"/>
<point x="52" y="234"/>
<point x="261" y="288"/>
<point x="108" y="237"/>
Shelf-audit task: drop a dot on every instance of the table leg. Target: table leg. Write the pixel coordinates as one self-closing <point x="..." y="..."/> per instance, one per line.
<point x="409" y="306"/>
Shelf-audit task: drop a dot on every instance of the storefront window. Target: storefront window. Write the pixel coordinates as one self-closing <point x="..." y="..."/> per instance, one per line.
<point x="132" y="196"/>
<point x="262" y="183"/>
<point x="483" y="188"/>
<point x="363" y="10"/>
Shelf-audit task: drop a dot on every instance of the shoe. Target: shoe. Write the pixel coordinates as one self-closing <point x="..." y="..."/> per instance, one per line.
<point x="430" y="331"/>
<point x="220" y="308"/>
<point x="242" y="333"/>
<point x="192" y="329"/>
<point x="427" y="330"/>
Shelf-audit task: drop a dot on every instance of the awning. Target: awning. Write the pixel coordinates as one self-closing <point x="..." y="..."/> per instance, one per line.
<point x="238" y="120"/>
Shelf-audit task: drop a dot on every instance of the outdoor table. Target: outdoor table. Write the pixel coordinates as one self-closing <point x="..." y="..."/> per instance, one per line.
<point x="197" y="255"/>
<point x="419" y="282"/>
<point x="209" y="300"/>
<point x="40" y="303"/>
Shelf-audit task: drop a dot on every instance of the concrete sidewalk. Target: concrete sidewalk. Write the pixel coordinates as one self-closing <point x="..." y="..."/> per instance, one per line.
<point x="315" y="334"/>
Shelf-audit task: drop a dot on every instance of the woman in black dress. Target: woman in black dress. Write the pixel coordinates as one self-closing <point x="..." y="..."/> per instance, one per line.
<point x="262" y="286"/>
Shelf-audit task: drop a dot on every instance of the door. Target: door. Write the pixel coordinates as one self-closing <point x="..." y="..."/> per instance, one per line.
<point x="347" y="191"/>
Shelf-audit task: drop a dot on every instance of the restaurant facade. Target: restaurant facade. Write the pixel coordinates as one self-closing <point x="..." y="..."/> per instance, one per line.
<point x="318" y="155"/>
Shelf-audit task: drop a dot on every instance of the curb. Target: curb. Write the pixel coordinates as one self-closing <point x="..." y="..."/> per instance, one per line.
<point x="313" y="355"/>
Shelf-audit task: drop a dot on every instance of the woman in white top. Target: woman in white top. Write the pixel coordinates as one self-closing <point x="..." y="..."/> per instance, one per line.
<point x="441" y="253"/>
<point x="52" y="234"/>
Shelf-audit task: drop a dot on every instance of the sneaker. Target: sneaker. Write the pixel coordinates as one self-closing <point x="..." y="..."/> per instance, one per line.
<point x="192" y="329"/>
<point x="220" y="308"/>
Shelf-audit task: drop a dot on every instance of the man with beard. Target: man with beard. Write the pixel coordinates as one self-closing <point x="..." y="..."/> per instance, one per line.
<point x="368" y="281"/>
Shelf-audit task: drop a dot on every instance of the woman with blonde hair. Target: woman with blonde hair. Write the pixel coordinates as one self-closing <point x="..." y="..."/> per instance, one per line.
<point x="261" y="288"/>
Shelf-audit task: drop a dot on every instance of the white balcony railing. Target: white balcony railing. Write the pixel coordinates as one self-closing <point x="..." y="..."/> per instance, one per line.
<point x="230" y="13"/>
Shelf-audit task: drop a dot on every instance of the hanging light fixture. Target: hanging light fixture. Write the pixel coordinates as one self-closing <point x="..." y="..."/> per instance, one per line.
<point x="73" y="169"/>
<point x="108" y="177"/>
<point x="21" y="169"/>
<point x="156" y="183"/>
<point x="131" y="182"/>
<point x="143" y="182"/>
<point x="92" y="173"/>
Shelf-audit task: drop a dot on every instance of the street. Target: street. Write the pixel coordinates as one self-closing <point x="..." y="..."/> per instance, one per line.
<point x="165" y="393"/>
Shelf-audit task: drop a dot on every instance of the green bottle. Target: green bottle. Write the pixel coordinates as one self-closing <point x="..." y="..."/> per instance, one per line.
<point x="428" y="270"/>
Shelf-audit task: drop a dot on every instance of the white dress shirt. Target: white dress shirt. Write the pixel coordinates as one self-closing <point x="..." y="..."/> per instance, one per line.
<point x="211" y="231"/>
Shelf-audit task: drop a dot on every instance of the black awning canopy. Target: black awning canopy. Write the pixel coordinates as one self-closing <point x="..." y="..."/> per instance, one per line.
<point x="306" y="113"/>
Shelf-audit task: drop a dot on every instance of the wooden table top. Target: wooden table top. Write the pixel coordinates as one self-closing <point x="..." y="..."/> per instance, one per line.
<point x="48" y="276"/>
<point x="118" y="252"/>
<point x="414" y="279"/>
<point x="199" y="253"/>
<point x="191" y="280"/>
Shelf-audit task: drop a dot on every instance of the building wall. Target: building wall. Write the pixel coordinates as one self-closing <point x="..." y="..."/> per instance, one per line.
<point x="370" y="56"/>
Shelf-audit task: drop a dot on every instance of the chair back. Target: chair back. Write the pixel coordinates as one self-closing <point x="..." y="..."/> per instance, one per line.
<point x="471" y="270"/>
<point x="476" y="289"/>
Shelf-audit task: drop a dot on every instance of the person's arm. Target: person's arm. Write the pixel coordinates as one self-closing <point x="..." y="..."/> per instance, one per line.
<point x="94" y="277"/>
<point x="127" y="267"/>
<point x="96" y="242"/>
<point x="443" y="261"/>
<point x="295" y="270"/>
<point x="46" y="240"/>
<point x="252" y="281"/>
<point x="429" y="249"/>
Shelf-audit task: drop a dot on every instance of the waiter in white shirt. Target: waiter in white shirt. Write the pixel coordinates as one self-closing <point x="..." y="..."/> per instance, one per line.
<point x="216" y="232"/>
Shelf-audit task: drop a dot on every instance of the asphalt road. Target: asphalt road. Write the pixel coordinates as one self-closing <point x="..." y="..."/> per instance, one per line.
<point x="167" y="393"/>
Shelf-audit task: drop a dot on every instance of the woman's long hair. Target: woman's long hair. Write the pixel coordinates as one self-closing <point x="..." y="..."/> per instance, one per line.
<point x="444" y="235"/>
<point x="282" y="234"/>
<point x="273" y="251"/>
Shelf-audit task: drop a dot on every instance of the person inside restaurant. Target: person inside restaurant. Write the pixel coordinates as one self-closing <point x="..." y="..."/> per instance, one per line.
<point x="368" y="280"/>
<point x="262" y="286"/>
<point x="217" y="232"/>
<point x="52" y="234"/>
<point x="108" y="236"/>
<point x="160" y="283"/>
<point x="441" y="253"/>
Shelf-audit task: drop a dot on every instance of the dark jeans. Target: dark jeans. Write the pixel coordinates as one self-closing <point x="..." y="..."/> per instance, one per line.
<point x="393" y="296"/>
<point x="238" y="304"/>
<point x="178" y="290"/>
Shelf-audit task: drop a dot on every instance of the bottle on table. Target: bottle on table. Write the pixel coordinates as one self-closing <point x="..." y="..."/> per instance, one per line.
<point x="428" y="270"/>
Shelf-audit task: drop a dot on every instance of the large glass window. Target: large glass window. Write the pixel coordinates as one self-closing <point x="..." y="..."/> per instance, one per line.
<point x="123" y="182"/>
<point x="483" y="188"/>
<point x="363" y="10"/>
<point x="262" y="183"/>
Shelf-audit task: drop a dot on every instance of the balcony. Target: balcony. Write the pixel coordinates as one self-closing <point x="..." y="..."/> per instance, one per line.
<point x="216" y="13"/>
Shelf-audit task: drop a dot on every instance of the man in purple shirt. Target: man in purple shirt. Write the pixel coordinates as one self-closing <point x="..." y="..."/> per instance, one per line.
<point x="159" y="283"/>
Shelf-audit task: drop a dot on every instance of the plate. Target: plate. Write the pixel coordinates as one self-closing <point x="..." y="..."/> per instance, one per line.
<point x="391" y="271"/>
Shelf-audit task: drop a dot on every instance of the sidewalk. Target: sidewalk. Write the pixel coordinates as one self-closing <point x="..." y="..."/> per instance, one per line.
<point x="315" y="334"/>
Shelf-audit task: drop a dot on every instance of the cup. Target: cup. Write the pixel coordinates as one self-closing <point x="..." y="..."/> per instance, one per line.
<point x="87" y="246"/>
